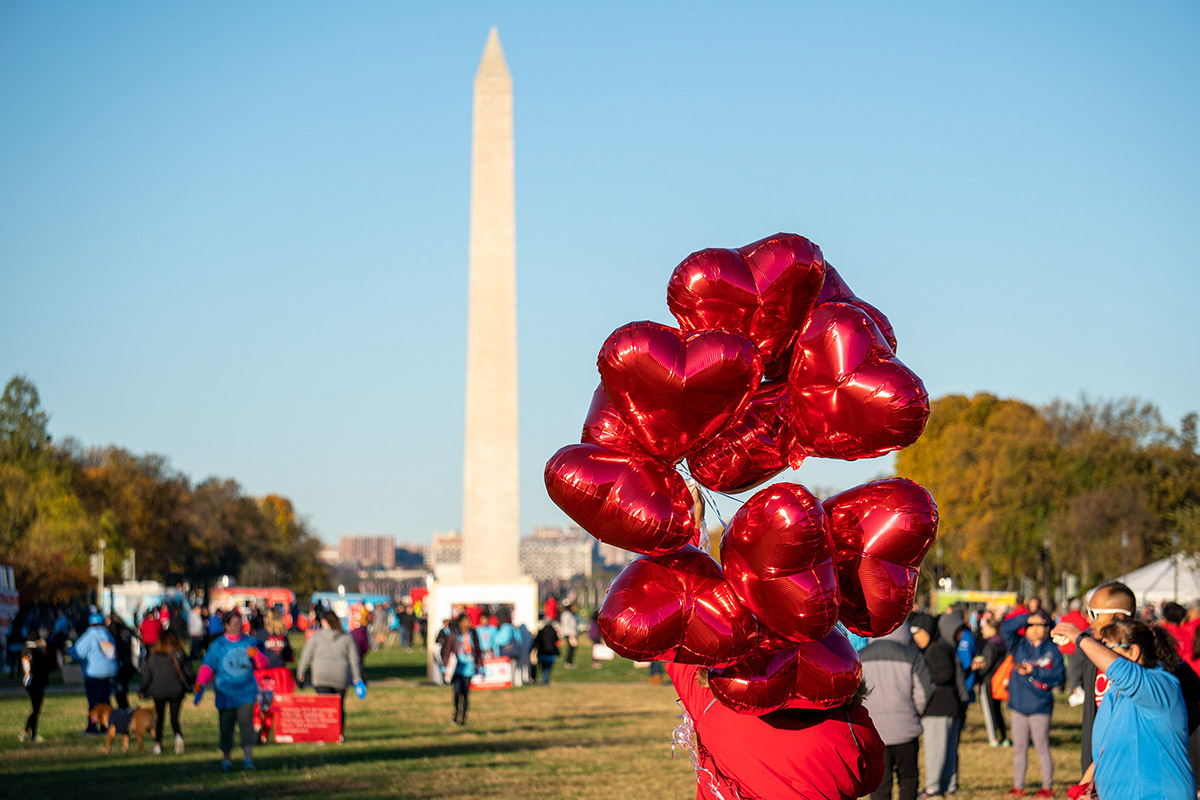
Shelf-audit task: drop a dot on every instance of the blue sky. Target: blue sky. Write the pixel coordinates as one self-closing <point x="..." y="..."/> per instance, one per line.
<point x="236" y="234"/>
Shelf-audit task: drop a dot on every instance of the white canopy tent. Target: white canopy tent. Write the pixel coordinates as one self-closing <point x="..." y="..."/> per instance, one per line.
<point x="1169" y="578"/>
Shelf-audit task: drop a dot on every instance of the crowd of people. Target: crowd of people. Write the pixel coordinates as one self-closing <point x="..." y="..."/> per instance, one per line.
<point x="1130" y="668"/>
<point x="241" y="655"/>
<point x="479" y="633"/>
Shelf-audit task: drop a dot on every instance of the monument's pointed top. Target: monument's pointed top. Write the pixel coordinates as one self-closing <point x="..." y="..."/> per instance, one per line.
<point x="492" y="65"/>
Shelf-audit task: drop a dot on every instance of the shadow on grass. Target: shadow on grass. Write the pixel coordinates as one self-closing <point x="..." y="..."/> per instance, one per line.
<point x="275" y="775"/>
<point x="384" y="671"/>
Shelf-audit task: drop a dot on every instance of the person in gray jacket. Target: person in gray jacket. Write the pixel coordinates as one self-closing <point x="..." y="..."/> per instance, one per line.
<point x="334" y="659"/>
<point x="900" y="685"/>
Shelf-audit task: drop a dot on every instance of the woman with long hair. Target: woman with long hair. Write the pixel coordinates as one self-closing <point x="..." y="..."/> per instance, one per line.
<point x="334" y="659"/>
<point x="1139" y="741"/>
<point x="166" y="678"/>
<point x="463" y="646"/>
<point x="274" y="640"/>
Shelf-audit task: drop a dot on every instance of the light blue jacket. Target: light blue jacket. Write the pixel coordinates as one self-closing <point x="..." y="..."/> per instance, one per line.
<point x="97" y="651"/>
<point x="1139" y="741"/>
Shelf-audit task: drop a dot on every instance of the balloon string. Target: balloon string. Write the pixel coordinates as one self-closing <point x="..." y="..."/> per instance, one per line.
<point x="710" y="501"/>
<point x="684" y="738"/>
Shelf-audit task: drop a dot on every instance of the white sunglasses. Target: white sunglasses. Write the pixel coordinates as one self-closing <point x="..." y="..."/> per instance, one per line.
<point x="1093" y="613"/>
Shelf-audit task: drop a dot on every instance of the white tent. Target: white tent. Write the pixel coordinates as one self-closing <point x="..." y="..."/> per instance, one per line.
<point x="1167" y="579"/>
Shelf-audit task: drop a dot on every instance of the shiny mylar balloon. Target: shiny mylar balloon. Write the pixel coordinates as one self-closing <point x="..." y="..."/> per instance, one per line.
<point x="849" y="397"/>
<point x="679" y="608"/>
<point x="835" y="290"/>
<point x="763" y="291"/>
<point x="675" y="390"/>
<point x="605" y="426"/>
<point x="822" y="674"/>
<point x="633" y="503"/>
<point x="778" y="556"/>
<point x="755" y="447"/>
<point x="881" y="532"/>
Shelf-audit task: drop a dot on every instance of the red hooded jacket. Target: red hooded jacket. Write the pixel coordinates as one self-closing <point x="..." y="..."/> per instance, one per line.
<point x="835" y="754"/>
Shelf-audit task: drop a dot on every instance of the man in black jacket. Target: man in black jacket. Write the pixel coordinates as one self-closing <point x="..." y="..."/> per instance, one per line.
<point x="944" y="714"/>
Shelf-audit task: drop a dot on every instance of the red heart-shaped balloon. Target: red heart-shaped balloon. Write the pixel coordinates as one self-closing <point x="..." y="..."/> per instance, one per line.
<point x="849" y="397"/>
<point x="763" y="291"/>
<point x="881" y="532"/>
<point x="755" y="447"/>
<point x="633" y="503"/>
<point x="776" y="675"/>
<point x="604" y="426"/>
<point x="679" y="608"/>
<point x="674" y="390"/>
<point x="835" y="290"/>
<point x="778" y="556"/>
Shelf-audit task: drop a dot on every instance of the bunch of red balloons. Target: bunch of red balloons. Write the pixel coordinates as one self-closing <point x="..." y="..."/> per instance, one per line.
<point x="774" y="360"/>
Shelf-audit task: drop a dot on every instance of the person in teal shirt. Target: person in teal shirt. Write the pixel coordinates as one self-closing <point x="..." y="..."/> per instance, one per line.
<point x="1139" y="742"/>
<point x="229" y="664"/>
<point x="462" y="649"/>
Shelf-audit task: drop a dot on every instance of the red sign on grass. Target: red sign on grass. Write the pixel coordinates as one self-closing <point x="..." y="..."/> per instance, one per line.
<point x="307" y="717"/>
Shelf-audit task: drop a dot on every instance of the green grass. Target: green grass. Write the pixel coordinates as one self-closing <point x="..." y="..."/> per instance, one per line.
<point x="590" y="734"/>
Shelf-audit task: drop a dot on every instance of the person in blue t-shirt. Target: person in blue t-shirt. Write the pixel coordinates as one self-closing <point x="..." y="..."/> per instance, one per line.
<point x="229" y="664"/>
<point x="1140" y="737"/>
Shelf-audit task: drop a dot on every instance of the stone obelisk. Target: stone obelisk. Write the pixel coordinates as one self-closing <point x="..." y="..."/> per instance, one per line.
<point x="491" y="514"/>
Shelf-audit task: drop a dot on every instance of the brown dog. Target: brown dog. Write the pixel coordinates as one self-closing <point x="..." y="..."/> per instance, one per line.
<point x="137" y="722"/>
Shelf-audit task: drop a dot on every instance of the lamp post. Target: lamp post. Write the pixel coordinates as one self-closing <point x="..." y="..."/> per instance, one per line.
<point x="100" y="577"/>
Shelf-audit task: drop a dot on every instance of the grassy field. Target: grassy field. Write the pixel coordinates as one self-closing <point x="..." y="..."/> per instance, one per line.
<point x="590" y="734"/>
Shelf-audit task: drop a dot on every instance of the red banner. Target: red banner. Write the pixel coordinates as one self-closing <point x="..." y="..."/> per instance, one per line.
<point x="307" y="717"/>
<point x="497" y="674"/>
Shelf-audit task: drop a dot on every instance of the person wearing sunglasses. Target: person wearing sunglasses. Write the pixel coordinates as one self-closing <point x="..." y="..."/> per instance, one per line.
<point x="1109" y="602"/>
<point x="1139" y="741"/>
<point x="1037" y="668"/>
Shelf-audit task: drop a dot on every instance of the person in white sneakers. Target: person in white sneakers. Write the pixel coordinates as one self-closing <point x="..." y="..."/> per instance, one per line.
<point x="166" y="678"/>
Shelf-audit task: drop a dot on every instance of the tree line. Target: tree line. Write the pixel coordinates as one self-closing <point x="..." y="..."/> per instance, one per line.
<point x="59" y="499"/>
<point x="1092" y="488"/>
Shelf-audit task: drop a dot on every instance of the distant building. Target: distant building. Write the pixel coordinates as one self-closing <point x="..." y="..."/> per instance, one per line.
<point x="369" y="551"/>
<point x="557" y="553"/>
<point x="612" y="556"/>
<point x="329" y="555"/>
<point x="445" y="556"/>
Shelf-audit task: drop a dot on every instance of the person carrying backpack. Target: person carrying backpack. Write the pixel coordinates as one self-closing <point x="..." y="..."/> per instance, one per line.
<point x="984" y="666"/>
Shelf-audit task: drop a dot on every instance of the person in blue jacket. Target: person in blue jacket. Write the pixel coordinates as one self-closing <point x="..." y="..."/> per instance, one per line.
<point x="97" y="652"/>
<point x="1037" y="668"/>
<point x="229" y="664"/>
<point x="1140" y="737"/>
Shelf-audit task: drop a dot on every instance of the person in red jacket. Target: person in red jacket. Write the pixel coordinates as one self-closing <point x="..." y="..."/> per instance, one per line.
<point x="1074" y="661"/>
<point x="1174" y="619"/>
<point x="150" y="629"/>
<point x="787" y="753"/>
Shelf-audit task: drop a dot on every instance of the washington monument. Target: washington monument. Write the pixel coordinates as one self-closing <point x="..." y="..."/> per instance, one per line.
<point x="491" y="513"/>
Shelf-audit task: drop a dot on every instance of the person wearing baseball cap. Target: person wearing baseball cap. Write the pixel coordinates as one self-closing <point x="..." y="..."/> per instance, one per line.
<point x="96" y="651"/>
